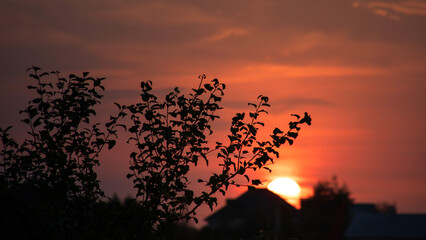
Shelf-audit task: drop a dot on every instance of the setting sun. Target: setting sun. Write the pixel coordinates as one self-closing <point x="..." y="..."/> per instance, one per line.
<point x="285" y="187"/>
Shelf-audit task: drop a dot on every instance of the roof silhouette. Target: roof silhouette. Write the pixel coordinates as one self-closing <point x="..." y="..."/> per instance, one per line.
<point x="260" y="199"/>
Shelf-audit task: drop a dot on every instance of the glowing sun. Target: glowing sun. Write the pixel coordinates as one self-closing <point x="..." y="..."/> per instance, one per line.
<point x="285" y="187"/>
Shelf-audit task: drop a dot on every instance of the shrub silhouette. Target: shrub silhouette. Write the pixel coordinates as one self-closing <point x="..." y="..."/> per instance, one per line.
<point x="50" y="175"/>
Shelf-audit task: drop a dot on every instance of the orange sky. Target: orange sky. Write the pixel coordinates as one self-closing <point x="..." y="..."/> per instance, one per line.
<point x="358" y="67"/>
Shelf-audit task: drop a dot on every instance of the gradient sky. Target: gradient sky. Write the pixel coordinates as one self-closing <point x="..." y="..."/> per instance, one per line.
<point x="358" y="67"/>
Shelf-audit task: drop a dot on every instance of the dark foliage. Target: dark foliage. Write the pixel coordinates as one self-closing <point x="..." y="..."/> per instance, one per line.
<point x="49" y="188"/>
<point x="326" y="214"/>
<point x="170" y="137"/>
<point x="48" y="183"/>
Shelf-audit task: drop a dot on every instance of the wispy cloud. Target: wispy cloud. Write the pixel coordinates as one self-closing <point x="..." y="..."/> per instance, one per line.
<point x="158" y="13"/>
<point x="283" y="104"/>
<point x="264" y="71"/>
<point x="394" y="10"/>
<point x="226" y="33"/>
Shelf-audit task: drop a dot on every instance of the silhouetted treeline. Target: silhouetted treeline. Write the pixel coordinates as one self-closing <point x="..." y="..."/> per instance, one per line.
<point x="326" y="214"/>
<point x="30" y="213"/>
<point x="35" y="213"/>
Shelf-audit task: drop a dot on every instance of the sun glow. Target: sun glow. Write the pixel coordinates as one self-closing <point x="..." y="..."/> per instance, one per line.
<point x="287" y="188"/>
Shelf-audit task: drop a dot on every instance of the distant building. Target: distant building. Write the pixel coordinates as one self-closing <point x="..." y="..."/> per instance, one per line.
<point x="380" y="221"/>
<point x="372" y="226"/>
<point x="255" y="212"/>
<point x="360" y="208"/>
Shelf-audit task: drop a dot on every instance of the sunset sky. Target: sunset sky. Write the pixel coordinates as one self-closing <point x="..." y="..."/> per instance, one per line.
<point x="357" y="67"/>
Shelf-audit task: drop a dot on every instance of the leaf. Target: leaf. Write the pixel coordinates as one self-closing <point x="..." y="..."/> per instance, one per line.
<point x="307" y="119"/>
<point x="265" y="99"/>
<point x="199" y="91"/>
<point x="111" y="144"/>
<point x="134" y="129"/>
<point x="276" y="131"/>
<point x="35" y="76"/>
<point x="33" y="112"/>
<point x="256" y="182"/>
<point x="108" y="124"/>
<point x="293" y="134"/>
<point x="247" y="177"/>
<point x="295" y="115"/>
<point x="208" y="87"/>
<point x="216" y="98"/>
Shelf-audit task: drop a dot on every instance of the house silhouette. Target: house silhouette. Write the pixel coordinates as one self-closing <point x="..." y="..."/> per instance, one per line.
<point x="256" y="212"/>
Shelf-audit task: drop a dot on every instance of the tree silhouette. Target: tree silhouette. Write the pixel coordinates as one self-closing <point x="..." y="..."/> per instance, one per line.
<point x="170" y="137"/>
<point x="50" y="175"/>
<point x="325" y="215"/>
